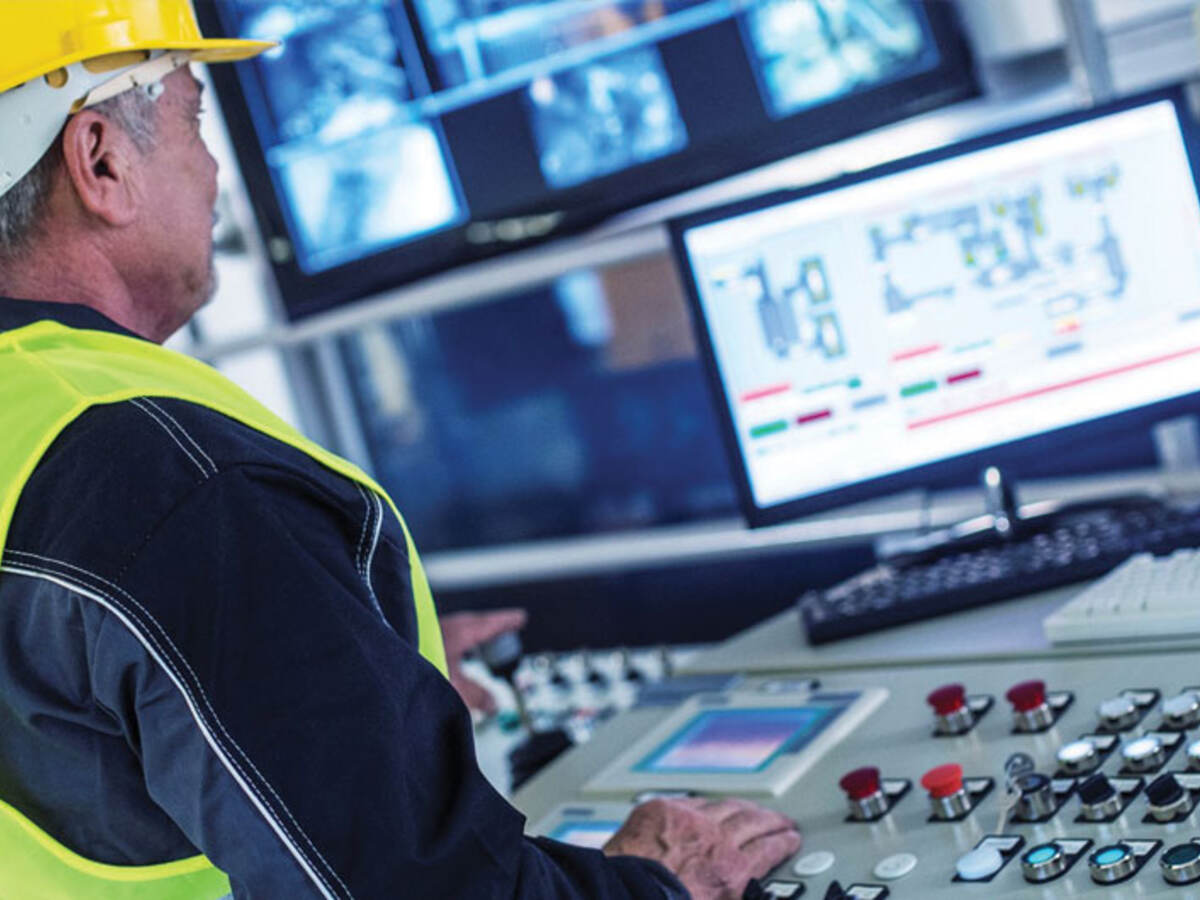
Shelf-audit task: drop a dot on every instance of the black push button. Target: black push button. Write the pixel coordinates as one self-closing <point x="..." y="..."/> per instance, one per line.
<point x="1181" y="864"/>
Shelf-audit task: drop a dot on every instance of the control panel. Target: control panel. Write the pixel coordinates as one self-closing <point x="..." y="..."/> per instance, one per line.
<point x="1033" y="778"/>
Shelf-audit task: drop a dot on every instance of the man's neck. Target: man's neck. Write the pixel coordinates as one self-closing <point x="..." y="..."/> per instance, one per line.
<point x="78" y="273"/>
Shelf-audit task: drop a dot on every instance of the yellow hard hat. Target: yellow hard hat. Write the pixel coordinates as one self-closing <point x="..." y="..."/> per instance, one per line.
<point x="58" y="56"/>
<point x="42" y="36"/>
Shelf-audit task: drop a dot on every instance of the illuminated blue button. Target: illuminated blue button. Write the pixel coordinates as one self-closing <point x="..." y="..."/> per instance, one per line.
<point x="1111" y="864"/>
<point x="1041" y="854"/>
<point x="1043" y="863"/>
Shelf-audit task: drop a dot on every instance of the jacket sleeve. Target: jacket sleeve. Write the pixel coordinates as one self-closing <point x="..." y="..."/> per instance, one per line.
<point x="287" y="723"/>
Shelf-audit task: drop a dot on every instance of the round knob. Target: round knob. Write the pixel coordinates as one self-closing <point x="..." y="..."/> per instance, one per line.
<point x="1037" y="799"/>
<point x="1145" y="754"/>
<point x="1030" y="710"/>
<point x="1118" y="713"/>
<point x="1112" y="863"/>
<point x="1098" y="799"/>
<point x="946" y="795"/>
<point x="950" y="710"/>
<point x="1181" y="711"/>
<point x="979" y="864"/>
<point x="864" y="793"/>
<point x="1078" y="757"/>
<point x="1181" y="864"/>
<point x="1043" y="862"/>
<point x="1166" y="797"/>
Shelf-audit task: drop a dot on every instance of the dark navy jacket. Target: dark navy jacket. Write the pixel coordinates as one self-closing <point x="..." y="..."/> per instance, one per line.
<point x="207" y="644"/>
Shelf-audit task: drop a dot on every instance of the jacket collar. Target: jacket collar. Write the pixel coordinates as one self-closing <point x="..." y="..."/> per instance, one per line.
<point x="19" y="313"/>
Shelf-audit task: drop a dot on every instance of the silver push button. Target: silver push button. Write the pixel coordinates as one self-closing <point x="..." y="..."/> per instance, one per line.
<point x="1182" y="710"/>
<point x="1118" y="713"/>
<point x="1078" y="757"/>
<point x="1144" y="754"/>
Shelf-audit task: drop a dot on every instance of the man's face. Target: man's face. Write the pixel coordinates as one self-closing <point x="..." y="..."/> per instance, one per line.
<point x="180" y="182"/>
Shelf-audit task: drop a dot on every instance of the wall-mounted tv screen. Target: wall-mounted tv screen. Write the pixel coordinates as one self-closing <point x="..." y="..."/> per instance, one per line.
<point x="383" y="140"/>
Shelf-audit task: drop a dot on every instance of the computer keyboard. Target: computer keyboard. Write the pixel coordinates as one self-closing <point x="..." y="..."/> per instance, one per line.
<point x="1069" y="549"/>
<point x="1146" y="597"/>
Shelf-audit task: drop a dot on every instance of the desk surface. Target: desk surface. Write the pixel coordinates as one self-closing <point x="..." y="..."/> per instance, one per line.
<point x="1007" y="630"/>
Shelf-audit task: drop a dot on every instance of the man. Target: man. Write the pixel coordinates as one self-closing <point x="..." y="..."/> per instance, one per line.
<point x="215" y="637"/>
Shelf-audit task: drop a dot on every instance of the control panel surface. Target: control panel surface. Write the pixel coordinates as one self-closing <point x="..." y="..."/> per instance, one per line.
<point x="1037" y="778"/>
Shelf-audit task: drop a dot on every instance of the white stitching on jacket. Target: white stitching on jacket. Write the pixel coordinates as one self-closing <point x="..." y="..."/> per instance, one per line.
<point x="191" y="440"/>
<point x="167" y="428"/>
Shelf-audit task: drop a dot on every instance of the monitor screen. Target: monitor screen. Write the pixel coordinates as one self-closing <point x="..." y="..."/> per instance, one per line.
<point x="383" y="140"/>
<point x="739" y="740"/>
<point x="886" y="329"/>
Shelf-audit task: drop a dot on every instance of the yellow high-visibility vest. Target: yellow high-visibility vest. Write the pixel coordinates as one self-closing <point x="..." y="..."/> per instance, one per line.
<point x="49" y="375"/>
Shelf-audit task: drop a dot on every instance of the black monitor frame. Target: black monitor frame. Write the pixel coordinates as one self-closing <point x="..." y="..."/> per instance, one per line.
<point x="718" y="155"/>
<point x="1013" y="456"/>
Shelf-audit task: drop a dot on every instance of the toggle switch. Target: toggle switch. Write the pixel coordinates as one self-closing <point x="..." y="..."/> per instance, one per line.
<point x="1167" y="798"/>
<point x="1098" y="799"/>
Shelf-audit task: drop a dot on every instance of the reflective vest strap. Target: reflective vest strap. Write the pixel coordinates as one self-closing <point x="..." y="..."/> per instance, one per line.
<point x="54" y="373"/>
<point x="36" y="867"/>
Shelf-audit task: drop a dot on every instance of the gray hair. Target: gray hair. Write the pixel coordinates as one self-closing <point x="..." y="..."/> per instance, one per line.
<point x="23" y="207"/>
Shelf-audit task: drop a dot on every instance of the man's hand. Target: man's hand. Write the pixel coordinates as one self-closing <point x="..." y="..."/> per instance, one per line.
<point x="462" y="632"/>
<point x="713" y="846"/>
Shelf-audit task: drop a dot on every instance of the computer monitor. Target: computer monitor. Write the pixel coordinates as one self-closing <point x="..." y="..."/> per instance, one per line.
<point x="384" y="140"/>
<point x="976" y="305"/>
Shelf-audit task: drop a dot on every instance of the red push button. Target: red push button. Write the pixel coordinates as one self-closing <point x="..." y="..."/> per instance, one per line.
<point x="947" y="699"/>
<point x="861" y="783"/>
<point x="943" y="781"/>
<point x="1027" y="696"/>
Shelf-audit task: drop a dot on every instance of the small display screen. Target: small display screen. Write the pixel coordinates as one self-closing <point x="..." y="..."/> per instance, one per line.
<point x="591" y="834"/>
<point x="740" y="741"/>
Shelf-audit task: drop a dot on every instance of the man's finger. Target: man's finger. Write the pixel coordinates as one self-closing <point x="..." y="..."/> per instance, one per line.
<point x="766" y="852"/>
<point x="473" y="629"/>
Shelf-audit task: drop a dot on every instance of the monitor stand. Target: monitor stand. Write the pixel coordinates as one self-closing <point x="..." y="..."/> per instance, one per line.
<point x="1004" y="520"/>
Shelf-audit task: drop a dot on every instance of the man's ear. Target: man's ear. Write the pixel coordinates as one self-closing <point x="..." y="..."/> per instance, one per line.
<point x="101" y="163"/>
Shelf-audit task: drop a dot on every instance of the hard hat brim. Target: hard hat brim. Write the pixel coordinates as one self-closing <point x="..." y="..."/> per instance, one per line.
<point x="205" y="50"/>
<point x="218" y="50"/>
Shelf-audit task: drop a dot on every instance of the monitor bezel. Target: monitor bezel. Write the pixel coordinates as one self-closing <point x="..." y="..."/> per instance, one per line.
<point x="961" y="469"/>
<point x="585" y="205"/>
